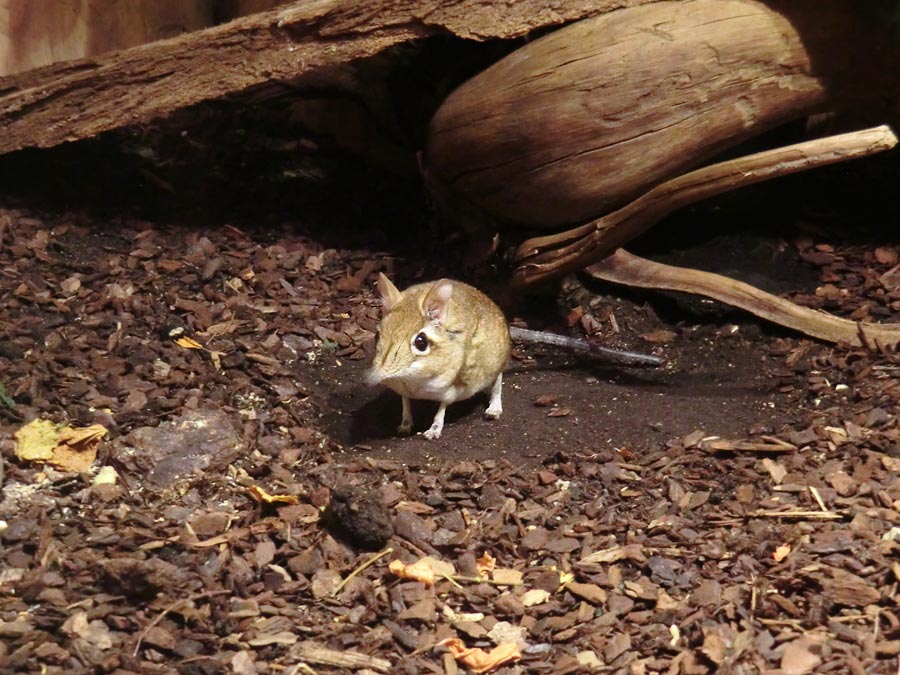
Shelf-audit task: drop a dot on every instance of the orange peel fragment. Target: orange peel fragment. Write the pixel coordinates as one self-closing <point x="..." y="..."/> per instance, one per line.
<point x="485" y="563"/>
<point x="479" y="661"/>
<point x="417" y="571"/>
<point x="264" y="497"/>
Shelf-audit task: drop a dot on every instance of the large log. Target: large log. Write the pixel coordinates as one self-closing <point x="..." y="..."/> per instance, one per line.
<point x="78" y="99"/>
<point x="591" y="116"/>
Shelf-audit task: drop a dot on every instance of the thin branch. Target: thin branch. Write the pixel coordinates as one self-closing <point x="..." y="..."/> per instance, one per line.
<point x="769" y="445"/>
<point x="797" y="515"/>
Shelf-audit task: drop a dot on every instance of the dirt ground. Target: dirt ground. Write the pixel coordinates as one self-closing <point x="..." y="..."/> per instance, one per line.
<point x="592" y="406"/>
<point x="736" y="510"/>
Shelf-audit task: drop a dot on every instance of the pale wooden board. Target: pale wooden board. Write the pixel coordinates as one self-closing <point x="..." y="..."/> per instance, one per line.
<point x="40" y="32"/>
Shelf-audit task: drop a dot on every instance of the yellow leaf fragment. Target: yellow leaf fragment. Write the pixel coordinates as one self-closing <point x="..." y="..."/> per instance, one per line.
<point x="565" y="578"/>
<point x="77" y="448"/>
<point x="264" y="497"/>
<point x="36" y="440"/>
<point x="82" y="438"/>
<point x="188" y="343"/>
<point x="485" y="563"/>
<point x="67" y="458"/>
<point x="67" y="448"/>
<point x="479" y="661"/>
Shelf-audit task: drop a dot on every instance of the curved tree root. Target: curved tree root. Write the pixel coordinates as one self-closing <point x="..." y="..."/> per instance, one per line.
<point x="624" y="268"/>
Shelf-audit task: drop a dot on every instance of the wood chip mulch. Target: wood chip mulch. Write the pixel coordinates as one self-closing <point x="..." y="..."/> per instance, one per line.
<point x="234" y="535"/>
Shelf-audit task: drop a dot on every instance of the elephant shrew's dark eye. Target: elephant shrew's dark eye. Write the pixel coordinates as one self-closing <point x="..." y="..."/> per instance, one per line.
<point x="421" y="343"/>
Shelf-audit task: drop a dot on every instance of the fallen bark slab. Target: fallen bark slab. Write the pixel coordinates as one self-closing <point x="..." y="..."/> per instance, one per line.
<point x="631" y="270"/>
<point x="78" y="99"/>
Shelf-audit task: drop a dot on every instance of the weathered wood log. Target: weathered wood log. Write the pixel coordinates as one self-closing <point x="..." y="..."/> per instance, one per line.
<point x="557" y="254"/>
<point x="78" y="99"/>
<point x="589" y="117"/>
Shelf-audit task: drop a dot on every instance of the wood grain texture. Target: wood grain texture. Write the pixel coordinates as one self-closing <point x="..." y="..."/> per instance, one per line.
<point x="78" y="99"/>
<point x="37" y="33"/>
<point x="589" y="117"/>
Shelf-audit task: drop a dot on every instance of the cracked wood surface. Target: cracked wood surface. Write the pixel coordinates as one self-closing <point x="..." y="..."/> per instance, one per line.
<point x="78" y="99"/>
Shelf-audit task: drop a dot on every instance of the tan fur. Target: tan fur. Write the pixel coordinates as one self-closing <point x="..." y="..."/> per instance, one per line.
<point x="468" y="346"/>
